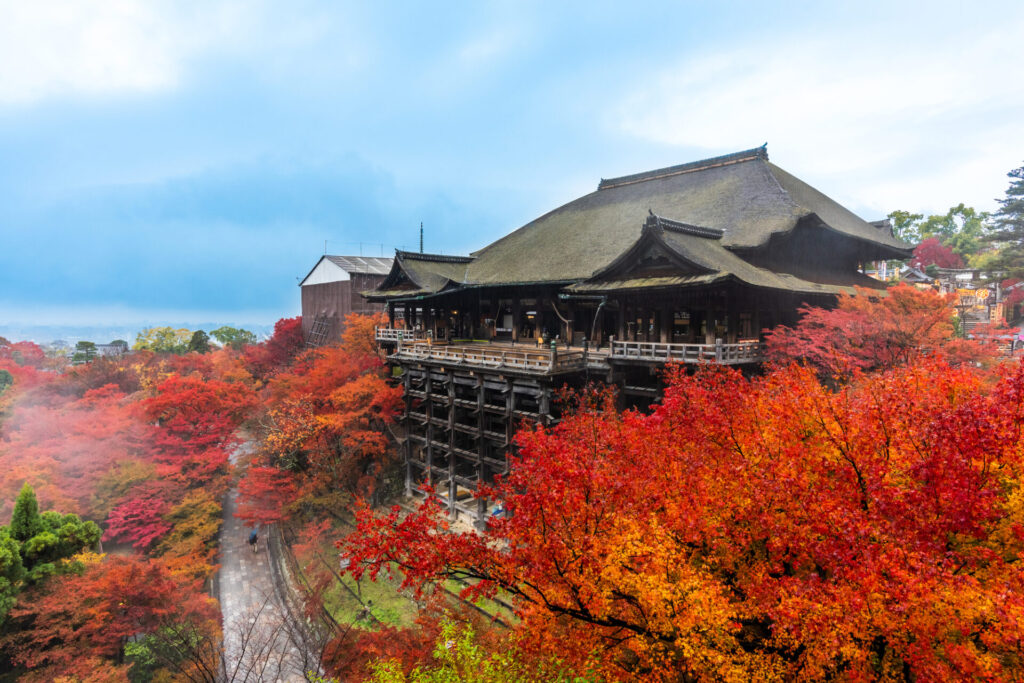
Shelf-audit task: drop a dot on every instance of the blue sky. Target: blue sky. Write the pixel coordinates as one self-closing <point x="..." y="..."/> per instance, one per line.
<point x="187" y="160"/>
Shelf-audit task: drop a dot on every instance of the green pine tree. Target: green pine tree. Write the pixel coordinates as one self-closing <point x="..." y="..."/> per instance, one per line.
<point x="1008" y="227"/>
<point x="26" y="522"/>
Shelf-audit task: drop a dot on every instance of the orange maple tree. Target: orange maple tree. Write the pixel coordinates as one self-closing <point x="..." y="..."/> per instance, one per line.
<point x="324" y="421"/>
<point x="765" y="528"/>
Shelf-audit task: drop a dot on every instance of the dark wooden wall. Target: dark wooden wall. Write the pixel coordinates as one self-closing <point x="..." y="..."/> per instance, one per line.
<point x="336" y="300"/>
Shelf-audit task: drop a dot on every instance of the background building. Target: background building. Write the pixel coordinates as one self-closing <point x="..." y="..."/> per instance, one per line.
<point x="331" y="291"/>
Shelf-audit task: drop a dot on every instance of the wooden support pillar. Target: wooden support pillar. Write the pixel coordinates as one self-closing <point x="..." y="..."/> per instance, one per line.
<point x="516" y="311"/>
<point x="391" y="314"/>
<point x="545" y="406"/>
<point x="427" y="392"/>
<point x="542" y="307"/>
<point x="481" y="424"/>
<point x="510" y="407"/>
<point x="732" y="317"/>
<point x="407" y="399"/>
<point x="667" y="323"/>
<point x="621" y="316"/>
<point x="453" y="487"/>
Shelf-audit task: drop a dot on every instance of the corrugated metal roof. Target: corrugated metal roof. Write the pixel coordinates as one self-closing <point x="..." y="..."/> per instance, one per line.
<point x="369" y="265"/>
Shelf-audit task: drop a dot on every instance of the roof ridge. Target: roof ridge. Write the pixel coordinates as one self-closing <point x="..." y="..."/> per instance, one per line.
<point x="656" y="221"/>
<point x="700" y="165"/>
<point x="436" y="258"/>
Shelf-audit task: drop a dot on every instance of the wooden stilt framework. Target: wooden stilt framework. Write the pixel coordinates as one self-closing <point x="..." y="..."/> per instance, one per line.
<point x="318" y="332"/>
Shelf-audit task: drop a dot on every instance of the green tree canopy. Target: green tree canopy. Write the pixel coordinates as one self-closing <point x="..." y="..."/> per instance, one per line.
<point x="36" y="546"/>
<point x="11" y="571"/>
<point x="234" y="337"/>
<point x="85" y="352"/>
<point x="200" y="342"/>
<point x="1008" y="227"/>
<point x="962" y="229"/>
<point x="25" y="521"/>
<point x="163" y="340"/>
<point x="904" y="225"/>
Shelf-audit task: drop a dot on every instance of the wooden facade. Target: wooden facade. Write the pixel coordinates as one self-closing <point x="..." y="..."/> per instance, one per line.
<point x="687" y="264"/>
<point x="333" y="289"/>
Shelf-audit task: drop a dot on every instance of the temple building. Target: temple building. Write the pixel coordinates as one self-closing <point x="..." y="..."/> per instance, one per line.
<point x="688" y="263"/>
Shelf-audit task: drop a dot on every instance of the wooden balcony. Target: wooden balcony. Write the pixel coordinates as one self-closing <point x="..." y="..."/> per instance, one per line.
<point x="545" y="361"/>
<point x="391" y="335"/>
<point x="494" y="357"/>
<point x="719" y="352"/>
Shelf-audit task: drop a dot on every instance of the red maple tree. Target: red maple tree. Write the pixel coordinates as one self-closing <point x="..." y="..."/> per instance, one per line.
<point x="870" y="331"/>
<point x="754" y="528"/>
<point x="932" y="252"/>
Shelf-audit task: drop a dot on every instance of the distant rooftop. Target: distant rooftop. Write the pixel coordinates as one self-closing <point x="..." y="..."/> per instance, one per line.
<point x="369" y="265"/>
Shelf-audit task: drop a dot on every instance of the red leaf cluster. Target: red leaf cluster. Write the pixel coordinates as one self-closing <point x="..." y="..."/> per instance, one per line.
<point x="756" y="528"/>
<point x="932" y="252"/>
<point x="873" y="330"/>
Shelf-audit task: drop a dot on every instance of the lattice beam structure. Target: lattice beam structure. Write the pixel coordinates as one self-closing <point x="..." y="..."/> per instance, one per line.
<point x="318" y="332"/>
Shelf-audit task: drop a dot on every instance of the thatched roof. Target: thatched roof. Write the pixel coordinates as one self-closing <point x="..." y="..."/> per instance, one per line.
<point x="743" y="197"/>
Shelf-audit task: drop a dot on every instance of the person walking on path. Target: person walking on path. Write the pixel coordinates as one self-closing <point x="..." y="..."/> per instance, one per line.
<point x="254" y="539"/>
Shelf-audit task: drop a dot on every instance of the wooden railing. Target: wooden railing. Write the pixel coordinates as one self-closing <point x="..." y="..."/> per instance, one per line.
<point x="719" y="352"/>
<point x="541" y="361"/>
<point x="389" y="334"/>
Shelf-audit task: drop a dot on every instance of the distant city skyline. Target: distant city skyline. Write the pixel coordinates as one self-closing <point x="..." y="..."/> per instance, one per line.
<point x="187" y="160"/>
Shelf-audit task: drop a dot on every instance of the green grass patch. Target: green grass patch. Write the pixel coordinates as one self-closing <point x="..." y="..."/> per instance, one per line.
<point x="367" y="602"/>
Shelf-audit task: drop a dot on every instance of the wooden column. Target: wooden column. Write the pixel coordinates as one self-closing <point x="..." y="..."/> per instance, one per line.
<point x="453" y="487"/>
<point x="542" y="307"/>
<point x="732" y="317"/>
<point x="406" y="386"/>
<point x="516" y="311"/>
<point x="621" y="327"/>
<point x="545" y="406"/>
<point x="709" y="325"/>
<point x="427" y="391"/>
<point x="510" y="406"/>
<point x="481" y="504"/>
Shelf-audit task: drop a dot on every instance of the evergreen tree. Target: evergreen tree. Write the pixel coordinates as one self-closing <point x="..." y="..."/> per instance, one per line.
<point x="85" y="352"/>
<point x="1008" y="227"/>
<point x="26" y="522"/>
<point x="200" y="342"/>
<point x="11" y="572"/>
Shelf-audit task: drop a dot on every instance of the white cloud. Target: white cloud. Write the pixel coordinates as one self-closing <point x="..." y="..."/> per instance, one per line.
<point x="879" y="125"/>
<point x="55" y="48"/>
<point x="59" y="46"/>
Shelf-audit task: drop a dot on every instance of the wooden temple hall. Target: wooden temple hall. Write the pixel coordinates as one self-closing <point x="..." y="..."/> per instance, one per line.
<point x="688" y="264"/>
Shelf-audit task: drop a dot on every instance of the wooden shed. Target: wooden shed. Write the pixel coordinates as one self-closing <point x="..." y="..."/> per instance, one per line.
<point x="331" y="291"/>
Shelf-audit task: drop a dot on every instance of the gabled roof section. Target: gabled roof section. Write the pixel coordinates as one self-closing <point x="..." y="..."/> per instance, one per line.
<point x="352" y="265"/>
<point x="742" y="195"/>
<point x="701" y="259"/>
<point x="417" y="274"/>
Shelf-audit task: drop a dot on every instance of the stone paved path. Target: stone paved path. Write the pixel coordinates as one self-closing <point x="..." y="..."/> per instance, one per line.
<point x="259" y="641"/>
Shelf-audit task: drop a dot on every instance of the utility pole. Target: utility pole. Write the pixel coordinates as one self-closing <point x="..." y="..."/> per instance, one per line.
<point x="421" y="237"/>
